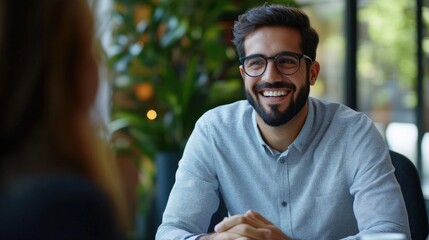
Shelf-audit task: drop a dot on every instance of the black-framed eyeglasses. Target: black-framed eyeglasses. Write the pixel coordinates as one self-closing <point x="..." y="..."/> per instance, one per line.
<point x="287" y="63"/>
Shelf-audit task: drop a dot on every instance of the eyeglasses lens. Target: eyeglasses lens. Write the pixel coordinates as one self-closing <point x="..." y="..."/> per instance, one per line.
<point x="286" y="64"/>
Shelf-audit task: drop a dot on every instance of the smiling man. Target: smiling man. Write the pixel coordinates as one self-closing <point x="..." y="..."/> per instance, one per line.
<point x="287" y="165"/>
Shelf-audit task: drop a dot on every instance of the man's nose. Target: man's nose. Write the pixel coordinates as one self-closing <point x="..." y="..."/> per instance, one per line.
<point x="271" y="74"/>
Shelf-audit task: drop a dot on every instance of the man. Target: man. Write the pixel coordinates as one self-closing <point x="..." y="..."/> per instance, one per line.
<point x="287" y="165"/>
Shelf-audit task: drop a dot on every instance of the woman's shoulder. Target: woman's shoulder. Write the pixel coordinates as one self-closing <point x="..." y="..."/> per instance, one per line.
<point x="55" y="207"/>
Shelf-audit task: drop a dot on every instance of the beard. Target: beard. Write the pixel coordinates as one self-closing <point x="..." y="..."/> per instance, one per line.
<point x="274" y="117"/>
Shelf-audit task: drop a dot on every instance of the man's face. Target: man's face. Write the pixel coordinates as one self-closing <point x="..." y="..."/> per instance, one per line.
<point x="277" y="98"/>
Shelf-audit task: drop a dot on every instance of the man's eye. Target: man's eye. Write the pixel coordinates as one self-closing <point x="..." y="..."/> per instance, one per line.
<point x="255" y="62"/>
<point x="286" y="61"/>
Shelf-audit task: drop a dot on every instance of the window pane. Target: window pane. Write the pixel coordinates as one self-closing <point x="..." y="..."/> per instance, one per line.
<point x="327" y="17"/>
<point x="387" y="70"/>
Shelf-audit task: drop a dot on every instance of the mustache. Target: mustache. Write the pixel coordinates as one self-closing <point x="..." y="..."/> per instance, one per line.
<point x="266" y="85"/>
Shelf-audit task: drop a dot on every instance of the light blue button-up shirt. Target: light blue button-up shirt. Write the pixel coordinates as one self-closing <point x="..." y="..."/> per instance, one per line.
<point x="334" y="181"/>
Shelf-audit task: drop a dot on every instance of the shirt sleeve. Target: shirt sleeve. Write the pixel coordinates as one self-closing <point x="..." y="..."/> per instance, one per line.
<point x="378" y="201"/>
<point x="195" y="195"/>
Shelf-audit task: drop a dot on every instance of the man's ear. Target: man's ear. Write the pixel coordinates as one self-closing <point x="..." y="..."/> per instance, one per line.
<point x="314" y="72"/>
<point x="242" y="71"/>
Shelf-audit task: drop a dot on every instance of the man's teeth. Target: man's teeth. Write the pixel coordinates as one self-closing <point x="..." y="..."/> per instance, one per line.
<point x="273" y="93"/>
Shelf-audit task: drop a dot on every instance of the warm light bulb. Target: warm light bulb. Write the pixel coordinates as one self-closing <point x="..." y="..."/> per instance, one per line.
<point x="151" y="114"/>
<point x="143" y="91"/>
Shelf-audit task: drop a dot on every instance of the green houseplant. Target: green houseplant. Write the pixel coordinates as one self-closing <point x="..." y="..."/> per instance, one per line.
<point x="173" y="58"/>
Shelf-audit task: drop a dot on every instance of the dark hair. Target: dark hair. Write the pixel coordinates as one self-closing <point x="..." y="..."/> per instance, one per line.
<point x="48" y="86"/>
<point x="275" y="15"/>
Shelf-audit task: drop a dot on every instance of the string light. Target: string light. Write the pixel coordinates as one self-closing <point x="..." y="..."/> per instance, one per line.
<point x="151" y="114"/>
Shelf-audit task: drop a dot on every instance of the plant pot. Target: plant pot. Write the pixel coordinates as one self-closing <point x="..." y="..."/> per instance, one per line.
<point x="166" y="165"/>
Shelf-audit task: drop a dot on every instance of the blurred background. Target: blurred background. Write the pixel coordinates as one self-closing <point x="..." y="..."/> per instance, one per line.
<point x="169" y="61"/>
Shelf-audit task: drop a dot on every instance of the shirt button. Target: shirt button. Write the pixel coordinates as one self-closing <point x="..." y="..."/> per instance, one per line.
<point x="282" y="160"/>
<point x="284" y="204"/>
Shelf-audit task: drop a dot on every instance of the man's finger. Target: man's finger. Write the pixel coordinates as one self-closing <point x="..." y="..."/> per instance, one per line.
<point x="230" y="222"/>
<point x="257" y="216"/>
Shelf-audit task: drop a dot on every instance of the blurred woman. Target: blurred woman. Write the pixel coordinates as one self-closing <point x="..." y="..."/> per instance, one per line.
<point x="54" y="168"/>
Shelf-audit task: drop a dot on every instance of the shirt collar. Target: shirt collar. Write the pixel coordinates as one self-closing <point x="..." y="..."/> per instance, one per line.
<point x="301" y="139"/>
<point x="256" y="129"/>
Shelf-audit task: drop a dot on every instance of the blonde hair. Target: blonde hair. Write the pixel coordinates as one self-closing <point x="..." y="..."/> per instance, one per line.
<point x="48" y="85"/>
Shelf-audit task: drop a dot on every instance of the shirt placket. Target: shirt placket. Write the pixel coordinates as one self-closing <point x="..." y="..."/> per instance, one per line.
<point x="283" y="192"/>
